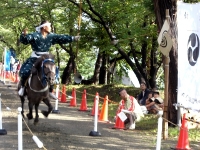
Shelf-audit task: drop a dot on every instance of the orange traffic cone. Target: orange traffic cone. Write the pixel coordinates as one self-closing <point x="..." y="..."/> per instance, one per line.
<point x="104" y="111"/>
<point x="7" y="74"/>
<point x="83" y="106"/>
<point x="73" y="100"/>
<point x="183" y="142"/>
<point x="63" y="97"/>
<point x="119" y="124"/>
<point x="93" y="109"/>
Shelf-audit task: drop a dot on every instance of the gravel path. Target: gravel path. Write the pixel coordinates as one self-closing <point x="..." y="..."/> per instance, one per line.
<point x="70" y="130"/>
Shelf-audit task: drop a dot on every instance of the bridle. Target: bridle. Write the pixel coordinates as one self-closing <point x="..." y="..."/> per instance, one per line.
<point x="44" y="75"/>
<point x="44" y="79"/>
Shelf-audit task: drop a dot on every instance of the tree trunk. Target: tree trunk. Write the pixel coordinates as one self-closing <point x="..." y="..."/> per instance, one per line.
<point x="103" y="70"/>
<point x="160" y="9"/>
<point x="154" y="65"/>
<point x="66" y="76"/>
<point x="97" y="69"/>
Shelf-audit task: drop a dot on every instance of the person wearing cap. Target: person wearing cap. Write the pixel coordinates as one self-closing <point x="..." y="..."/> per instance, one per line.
<point x="155" y="103"/>
<point x="143" y="94"/>
<point x="131" y="108"/>
<point x="157" y="99"/>
<point x="40" y="42"/>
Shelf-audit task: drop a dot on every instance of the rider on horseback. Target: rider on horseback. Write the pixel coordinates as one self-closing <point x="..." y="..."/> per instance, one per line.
<point x="40" y="42"/>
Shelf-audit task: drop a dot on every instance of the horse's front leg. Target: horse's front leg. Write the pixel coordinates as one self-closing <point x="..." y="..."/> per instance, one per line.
<point x="30" y="114"/>
<point x="50" y="108"/>
<point x="36" y="114"/>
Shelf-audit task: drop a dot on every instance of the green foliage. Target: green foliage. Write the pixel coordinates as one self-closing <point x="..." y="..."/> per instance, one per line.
<point x="130" y="21"/>
<point x="191" y="1"/>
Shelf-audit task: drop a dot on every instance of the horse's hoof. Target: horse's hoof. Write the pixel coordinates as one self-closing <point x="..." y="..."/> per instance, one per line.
<point x="35" y="122"/>
<point x="45" y="113"/>
<point x="29" y="116"/>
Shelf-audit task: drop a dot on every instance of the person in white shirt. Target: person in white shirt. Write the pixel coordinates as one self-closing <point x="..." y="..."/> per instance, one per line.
<point x="132" y="108"/>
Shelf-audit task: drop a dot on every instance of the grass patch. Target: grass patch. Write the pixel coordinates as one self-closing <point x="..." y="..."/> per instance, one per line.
<point x="193" y="134"/>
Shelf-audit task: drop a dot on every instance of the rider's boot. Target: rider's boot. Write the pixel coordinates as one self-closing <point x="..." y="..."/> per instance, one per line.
<point x="51" y="92"/>
<point x="21" y="90"/>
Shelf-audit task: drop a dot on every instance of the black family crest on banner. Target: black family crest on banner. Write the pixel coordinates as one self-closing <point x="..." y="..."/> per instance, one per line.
<point x="193" y="49"/>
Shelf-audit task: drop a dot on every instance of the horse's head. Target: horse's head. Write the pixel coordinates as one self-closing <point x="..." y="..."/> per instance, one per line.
<point x="48" y="69"/>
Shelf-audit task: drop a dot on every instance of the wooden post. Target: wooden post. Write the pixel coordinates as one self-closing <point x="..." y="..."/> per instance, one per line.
<point x="166" y="67"/>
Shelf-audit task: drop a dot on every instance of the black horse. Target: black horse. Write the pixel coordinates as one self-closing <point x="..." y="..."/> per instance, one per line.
<point x="37" y="86"/>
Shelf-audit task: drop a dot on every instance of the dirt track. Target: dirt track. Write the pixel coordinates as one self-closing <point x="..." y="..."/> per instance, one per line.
<point x="70" y="130"/>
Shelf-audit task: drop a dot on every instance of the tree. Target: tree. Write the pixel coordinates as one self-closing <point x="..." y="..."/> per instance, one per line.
<point x="160" y="7"/>
<point x="124" y="26"/>
<point x="135" y="35"/>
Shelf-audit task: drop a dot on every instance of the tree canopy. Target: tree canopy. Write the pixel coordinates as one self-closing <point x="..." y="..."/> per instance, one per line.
<point x="117" y="34"/>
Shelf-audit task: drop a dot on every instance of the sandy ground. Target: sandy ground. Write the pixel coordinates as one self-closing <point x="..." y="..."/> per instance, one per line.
<point x="69" y="130"/>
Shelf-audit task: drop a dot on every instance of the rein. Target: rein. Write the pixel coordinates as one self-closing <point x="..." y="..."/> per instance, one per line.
<point x="39" y="91"/>
<point x="44" y="78"/>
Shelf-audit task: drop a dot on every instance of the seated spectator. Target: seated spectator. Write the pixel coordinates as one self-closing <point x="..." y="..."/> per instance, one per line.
<point x="143" y="94"/>
<point x="145" y="108"/>
<point x="131" y="108"/>
<point x="155" y="103"/>
<point x="158" y="100"/>
<point x="150" y="95"/>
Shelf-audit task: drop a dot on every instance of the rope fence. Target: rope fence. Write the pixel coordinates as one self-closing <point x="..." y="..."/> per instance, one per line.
<point x="13" y="114"/>
<point x="112" y="102"/>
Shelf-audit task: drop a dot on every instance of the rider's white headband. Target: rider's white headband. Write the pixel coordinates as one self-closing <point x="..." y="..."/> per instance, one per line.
<point x="39" y="27"/>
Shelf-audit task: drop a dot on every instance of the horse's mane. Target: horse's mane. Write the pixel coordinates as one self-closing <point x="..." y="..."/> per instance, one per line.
<point x="38" y="62"/>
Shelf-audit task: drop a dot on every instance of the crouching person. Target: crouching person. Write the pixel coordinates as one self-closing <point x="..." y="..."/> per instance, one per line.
<point x="131" y="107"/>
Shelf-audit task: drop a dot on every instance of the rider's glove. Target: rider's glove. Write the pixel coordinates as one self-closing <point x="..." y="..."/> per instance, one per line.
<point x="76" y="38"/>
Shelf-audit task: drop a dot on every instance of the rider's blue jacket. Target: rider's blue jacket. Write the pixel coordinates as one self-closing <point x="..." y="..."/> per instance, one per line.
<point x="39" y="45"/>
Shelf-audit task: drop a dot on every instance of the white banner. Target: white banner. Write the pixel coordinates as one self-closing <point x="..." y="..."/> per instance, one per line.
<point x="188" y="19"/>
